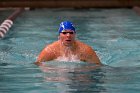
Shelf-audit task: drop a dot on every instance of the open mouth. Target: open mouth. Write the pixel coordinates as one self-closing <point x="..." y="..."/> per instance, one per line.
<point x="68" y="40"/>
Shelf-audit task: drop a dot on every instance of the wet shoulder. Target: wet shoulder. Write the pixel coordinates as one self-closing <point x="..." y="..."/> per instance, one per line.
<point x="83" y="45"/>
<point x="85" y="49"/>
<point x="53" y="45"/>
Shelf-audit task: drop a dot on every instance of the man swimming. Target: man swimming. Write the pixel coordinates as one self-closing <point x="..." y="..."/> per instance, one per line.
<point x="68" y="47"/>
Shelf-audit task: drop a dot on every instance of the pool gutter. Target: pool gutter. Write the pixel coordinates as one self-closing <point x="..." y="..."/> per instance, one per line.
<point x="70" y="3"/>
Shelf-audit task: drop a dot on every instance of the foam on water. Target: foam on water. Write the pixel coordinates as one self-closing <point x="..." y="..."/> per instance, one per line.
<point x="68" y="56"/>
<point x="71" y="58"/>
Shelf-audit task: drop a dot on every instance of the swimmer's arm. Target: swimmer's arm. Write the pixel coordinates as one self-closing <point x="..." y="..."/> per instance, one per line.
<point x="92" y="57"/>
<point x="45" y="55"/>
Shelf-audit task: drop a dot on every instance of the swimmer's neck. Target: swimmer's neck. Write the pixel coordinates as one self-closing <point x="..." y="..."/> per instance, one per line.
<point x="70" y="47"/>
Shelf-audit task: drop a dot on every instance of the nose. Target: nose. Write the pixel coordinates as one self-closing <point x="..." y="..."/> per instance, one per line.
<point x="68" y="34"/>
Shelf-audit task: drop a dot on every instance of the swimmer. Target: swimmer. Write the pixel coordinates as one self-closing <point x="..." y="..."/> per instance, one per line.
<point x="67" y="46"/>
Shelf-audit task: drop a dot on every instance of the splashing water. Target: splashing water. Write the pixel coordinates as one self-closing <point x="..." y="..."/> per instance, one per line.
<point x="68" y="56"/>
<point x="71" y="58"/>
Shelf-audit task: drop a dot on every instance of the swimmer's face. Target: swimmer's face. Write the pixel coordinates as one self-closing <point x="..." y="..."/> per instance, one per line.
<point x="67" y="37"/>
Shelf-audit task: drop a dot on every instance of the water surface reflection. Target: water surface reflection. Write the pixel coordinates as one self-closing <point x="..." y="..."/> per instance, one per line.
<point x="71" y="77"/>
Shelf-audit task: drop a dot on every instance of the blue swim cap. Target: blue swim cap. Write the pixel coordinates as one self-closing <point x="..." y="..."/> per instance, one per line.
<point x="66" y="25"/>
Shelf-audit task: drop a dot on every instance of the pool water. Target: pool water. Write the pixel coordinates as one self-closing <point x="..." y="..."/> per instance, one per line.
<point x="113" y="33"/>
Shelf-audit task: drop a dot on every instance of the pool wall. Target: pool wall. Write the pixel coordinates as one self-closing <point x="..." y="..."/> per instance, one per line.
<point x="70" y="3"/>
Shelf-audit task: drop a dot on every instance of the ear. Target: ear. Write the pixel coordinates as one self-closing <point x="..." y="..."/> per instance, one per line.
<point x="58" y="37"/>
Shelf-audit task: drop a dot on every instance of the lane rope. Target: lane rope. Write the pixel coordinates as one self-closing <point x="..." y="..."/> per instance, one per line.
<point x="7" y="24"/>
